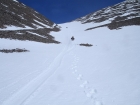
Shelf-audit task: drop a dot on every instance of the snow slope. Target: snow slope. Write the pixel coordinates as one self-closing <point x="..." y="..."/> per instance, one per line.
<point x="68" y="74"/>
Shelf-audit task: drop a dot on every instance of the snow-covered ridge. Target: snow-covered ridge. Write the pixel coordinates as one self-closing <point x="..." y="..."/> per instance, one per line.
<point x="15" y="1"/>
<point x="131" y="1"/>
<point x="130" y="7"/>
<point x="18" y="14"/>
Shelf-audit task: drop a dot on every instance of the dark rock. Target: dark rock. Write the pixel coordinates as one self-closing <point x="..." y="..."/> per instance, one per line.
<point x="17" y="14"/>
<point x="87" y="45"/>
<point x="13" y="50"/>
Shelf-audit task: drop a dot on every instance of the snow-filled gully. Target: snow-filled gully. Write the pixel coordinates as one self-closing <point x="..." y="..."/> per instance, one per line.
<point x="24" y="93"/>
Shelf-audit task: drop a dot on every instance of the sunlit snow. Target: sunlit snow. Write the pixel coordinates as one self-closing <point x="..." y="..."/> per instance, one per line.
<point x="11" y="27"/>
<point x="108" y="73"/>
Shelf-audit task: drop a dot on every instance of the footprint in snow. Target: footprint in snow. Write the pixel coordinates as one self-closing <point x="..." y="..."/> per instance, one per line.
<point x="91" y="93"/>
<point x="74" y="67"/>
<point x="75" y="71"/>
<point x="80" y="77"/>
<point x="84" y="85"/>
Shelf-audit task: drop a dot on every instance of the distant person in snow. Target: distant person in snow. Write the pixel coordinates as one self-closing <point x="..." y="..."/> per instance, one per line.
<point x="72" y="38"/>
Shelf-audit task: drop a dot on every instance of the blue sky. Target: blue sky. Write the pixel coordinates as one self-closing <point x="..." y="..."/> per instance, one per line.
<point x="60" y="11"/>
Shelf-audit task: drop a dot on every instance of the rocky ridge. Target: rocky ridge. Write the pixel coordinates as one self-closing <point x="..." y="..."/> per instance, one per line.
<point x="21" y="22"/>
<point x="122" y="14"/>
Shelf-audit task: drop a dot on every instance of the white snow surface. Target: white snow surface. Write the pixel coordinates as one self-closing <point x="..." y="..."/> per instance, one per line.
<point x="11" y="27"/>
<point x="42" y="24"/>
<point x="36" y="34"/>
<point x="4" y="5"/>
<point x="108" y="73"/>
<point x="15" y="0"/>
<point x="38" y="26"/>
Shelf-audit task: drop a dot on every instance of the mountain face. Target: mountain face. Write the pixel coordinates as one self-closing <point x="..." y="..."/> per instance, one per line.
<point x="99" y="67"/>
<point x="23" y="23"/>
<point x="122" y="14"/>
